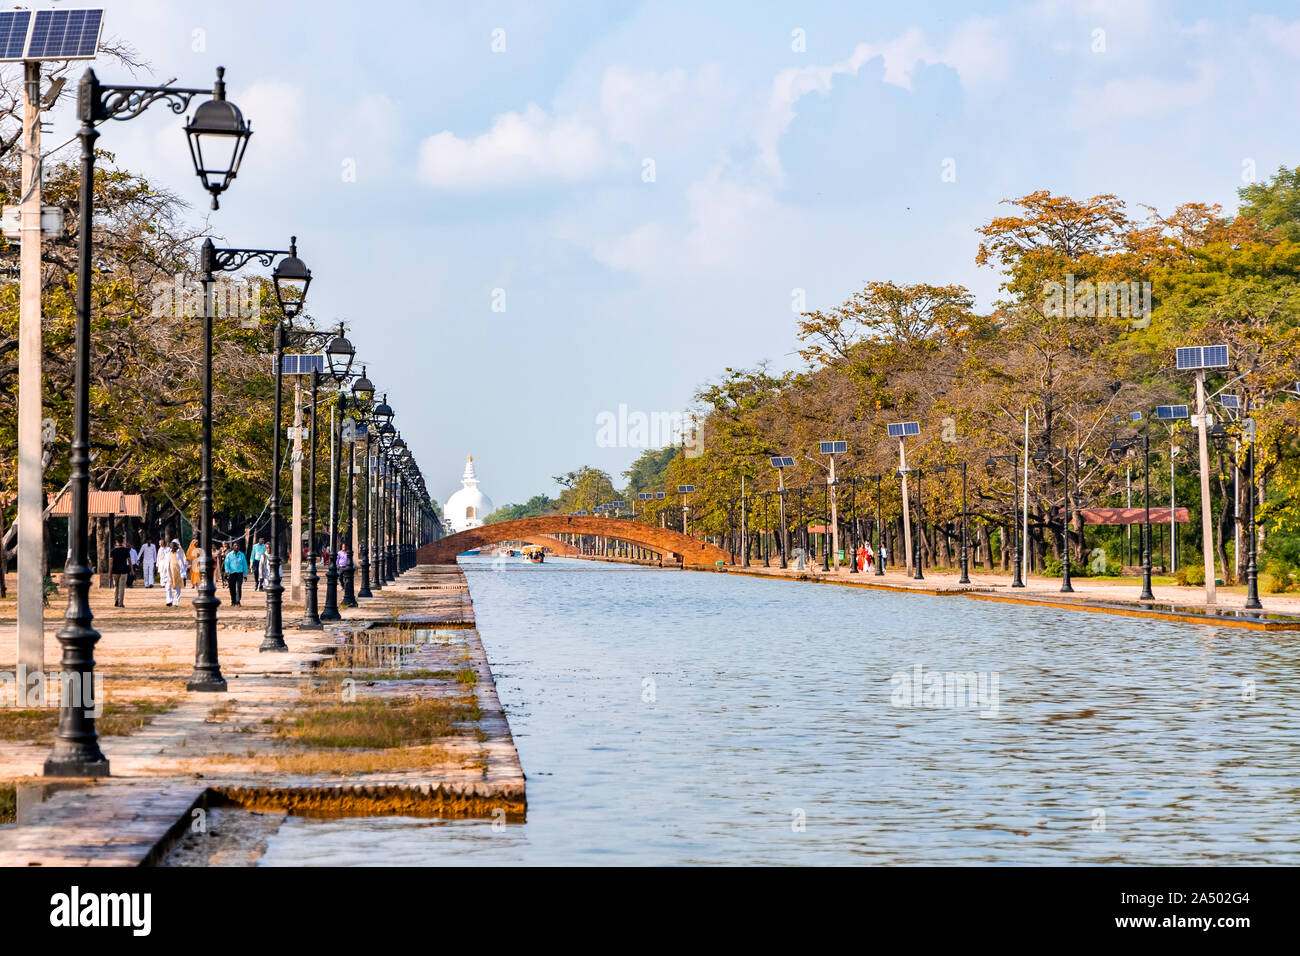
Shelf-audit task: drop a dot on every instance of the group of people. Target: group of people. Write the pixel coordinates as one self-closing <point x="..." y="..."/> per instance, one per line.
<point x="173" y="565"/>
<point x="867" y="557"/>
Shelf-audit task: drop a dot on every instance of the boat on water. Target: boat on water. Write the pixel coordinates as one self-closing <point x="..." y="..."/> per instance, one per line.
<point x="533" y="554"/>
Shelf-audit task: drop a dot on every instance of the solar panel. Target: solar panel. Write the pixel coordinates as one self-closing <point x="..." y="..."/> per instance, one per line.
<point x="904" y="429"/>
<point x="834" y="447"/>
<point x="1230" y="401"/>
<point x="685" y="489"/>
<point x="1215" y="356"/>
<point x="645" y="495"/>
<point x="1196" y="357"/>
<point x="65" y="35"/>
<point x="660" y="494"/>
<point x="1135" y="416"/>
<point x="782" y="461"/>
<point x="13" y="33"/>
<point x="1169" y="412"/>
<point x="300" y="364"/>
<point x="619" y="504"/>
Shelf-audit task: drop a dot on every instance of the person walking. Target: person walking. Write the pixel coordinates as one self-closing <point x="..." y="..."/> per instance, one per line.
<point x="341" y="560"/>
<point x="171" y="572"/>
<point x="134" y="563"/>
<point x="235" y="566"/>
<point x="149" y="560"/>
<point x="884" y="557"/>
<point x="219" y="568"/>
<point x="120" y="568"/>
<point x="192" y="559"/>
<point x="258" y="555"/>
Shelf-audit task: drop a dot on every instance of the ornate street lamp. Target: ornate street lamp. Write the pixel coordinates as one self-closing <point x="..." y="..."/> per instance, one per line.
<point x="218" y="136"/>
<point x="76" y="750"/>
<point x="339" y="355"/>
<point x="290" y="279"/>
<point x="991" y="462"/>
<point x="310" y="616"/>
<point x="1117" y="448"/>
<point x="363" y="392"/>
<point x="207" y="671"/>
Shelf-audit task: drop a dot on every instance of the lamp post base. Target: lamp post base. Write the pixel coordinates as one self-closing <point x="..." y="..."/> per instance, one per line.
<point x="71" y="766"/>
<point x="212" y="683"/>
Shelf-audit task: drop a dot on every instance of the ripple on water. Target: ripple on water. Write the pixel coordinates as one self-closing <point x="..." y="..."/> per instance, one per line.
<point x="768" y="734"/>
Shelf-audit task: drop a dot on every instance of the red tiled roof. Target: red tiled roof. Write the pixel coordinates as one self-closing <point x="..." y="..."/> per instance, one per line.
<point x="102" y="504"/>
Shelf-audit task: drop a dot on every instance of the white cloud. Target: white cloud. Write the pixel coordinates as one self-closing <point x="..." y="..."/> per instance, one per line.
<point x="1138" y="96"/>
<point x="976" y="51"/>
<point x="520" y="148"/>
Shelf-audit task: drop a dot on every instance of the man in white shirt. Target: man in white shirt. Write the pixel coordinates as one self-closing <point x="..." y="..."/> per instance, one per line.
<point x="149" y="556"/>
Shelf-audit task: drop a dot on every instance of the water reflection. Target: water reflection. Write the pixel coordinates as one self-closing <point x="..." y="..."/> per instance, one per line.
<point x="670" y="717"/>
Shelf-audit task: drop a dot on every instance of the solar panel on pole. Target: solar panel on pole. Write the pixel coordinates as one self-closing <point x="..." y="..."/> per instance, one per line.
<point x="685" y="489"/>
<point x="904" y="429"/>
<point x="781" y="461"/>
<point x="1170" y="412"/>
<point x="660" y="494"/>
<point x="65" y="35"/>
<point x="834" y="447"/>
<point x="13" y="33"/>
<point x="1230" y="401"/>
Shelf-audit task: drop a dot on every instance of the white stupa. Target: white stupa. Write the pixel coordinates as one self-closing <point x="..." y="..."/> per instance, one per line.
<point x="467" y="507"/>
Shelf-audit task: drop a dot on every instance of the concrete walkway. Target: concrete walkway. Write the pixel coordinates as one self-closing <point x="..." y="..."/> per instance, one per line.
<point x="229" y="749"/>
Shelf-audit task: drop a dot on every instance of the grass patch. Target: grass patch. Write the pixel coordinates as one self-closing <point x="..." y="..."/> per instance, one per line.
<point x="377" y="723"/>
<point x="467" y="676"/>
<point x="371" y="761"/>
<point x="118" y="719"/>
<point x="8" y="805"/>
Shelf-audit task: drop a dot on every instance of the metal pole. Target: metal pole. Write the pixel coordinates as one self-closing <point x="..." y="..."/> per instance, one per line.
<point x="76" y="750"/>
<point x="920" y="527"/>
<point x="1252" y="565"/>
<point x="330" y="612"/>
<point x="1207" y="542"/>
<point x="1017" y="581"/>
<point x="785" y="527"/>
<point x="377" y="525"/>
<point x="274" y="639"/>
<point x="1066" y="586"/>
<point x="1147" y="594"/>
<point x="965" y="558"/>
<point x="207" y="671"/>
<point x="368" y="525"/>
<point x="907" y="516"/>
<point x="349" y="570"/>
<point x="310" y="616"/>
<point x="295" y="538"/>
<point x="880" y="532"/>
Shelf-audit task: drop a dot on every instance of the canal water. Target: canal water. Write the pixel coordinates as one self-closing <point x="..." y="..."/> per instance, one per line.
<point x="668" y="717"/>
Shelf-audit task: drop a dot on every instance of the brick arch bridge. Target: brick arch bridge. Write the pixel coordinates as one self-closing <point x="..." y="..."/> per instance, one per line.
<point x="691" y="551"/>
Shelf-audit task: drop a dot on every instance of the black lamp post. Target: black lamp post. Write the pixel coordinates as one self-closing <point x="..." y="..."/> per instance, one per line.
<point x="76" y="750"/>
<point x="1221" y="436"/>
<point x="338" y="359"/>
<point x="290" y="278"/>
<point x="853" y="526"/>
<point x="991" y="463"/>
<point x="310" y="616"/>
<point x="1119" y="446"/>
<point x="1252" y="561"/>
<point x="384" y="432"/>
<point x="364" y="392"/>
<point x="917" y="550"/>
<point x="962" y="560"/>
<point x="207" y="671"/>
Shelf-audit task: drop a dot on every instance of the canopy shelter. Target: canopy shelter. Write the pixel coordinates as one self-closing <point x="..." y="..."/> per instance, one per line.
<point x="103" y="504"/>
<point x="1126" y="516"/>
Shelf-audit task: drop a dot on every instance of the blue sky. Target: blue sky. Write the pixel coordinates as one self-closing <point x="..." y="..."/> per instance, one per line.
<point x="776" y="169"/>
